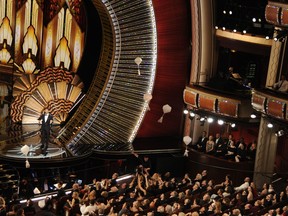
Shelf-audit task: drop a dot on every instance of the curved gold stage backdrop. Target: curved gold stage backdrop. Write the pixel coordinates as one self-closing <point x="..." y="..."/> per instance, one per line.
<point x="41" y="46"/>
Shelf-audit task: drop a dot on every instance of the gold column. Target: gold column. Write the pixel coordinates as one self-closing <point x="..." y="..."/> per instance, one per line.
<point x="265" y="155"/>
<point x="275" y="59"/>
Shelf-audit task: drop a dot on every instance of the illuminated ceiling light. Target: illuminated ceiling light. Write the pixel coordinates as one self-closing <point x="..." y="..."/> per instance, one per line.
<point x="230" y="12"/>
<point x="192" y="114"/>
<point x="244" y="31"/>
<point x="233" y="125"/>
<point x="267" y="37"/>
<point x="202" y="119"/>
<point x="254" y="19"/>
<point x="253" y="116"/>
<point x="270" y="125"/>
<point x="216" y="27"/>
<point x="279" y="133"/>
<point x="259" y="20"/>
<point x="220" y="122"/>
<point x="185" y="111"/>
<point x="234" y="30"/>
<point x="223" y="28"/>
<point x="210" y="120"/>
<point x="224" y="12"/>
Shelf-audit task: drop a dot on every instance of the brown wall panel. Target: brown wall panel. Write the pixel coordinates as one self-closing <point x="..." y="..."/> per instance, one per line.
<point x="275" y="108"/>
<point x="207" y="103"/>
<point x="190" y="98"/>
<point x="173" y="40"/>
<point x="272" y="14"/>
<point x="227" y="108"/>
<point x="258" y="102"/>
<point x="284" y="16"/>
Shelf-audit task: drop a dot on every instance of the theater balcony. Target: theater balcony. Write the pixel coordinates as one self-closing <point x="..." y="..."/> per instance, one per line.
<point x="272" y="104"/>
<point x="232" y="103"/>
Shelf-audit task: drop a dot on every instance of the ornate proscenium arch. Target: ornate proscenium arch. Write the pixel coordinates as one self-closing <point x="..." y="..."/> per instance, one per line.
<point x="110" y="115"/>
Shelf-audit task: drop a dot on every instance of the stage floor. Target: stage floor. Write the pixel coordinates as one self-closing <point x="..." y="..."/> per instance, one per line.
<point x="12" y="139"/>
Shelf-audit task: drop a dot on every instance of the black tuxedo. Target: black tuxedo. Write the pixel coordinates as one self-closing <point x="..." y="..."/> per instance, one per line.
<point x="45" y="130"/>
<point x="202" y="143"/>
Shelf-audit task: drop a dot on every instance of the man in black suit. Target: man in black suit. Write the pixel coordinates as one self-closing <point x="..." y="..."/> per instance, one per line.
<point x="221" y="147"/>
<point x="201" y="143"/>
<point x="46" y="120"/>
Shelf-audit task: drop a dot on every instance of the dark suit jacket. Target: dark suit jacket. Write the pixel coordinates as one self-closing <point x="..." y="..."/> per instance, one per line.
<point x="202" y="143"/>
<point x="46" y="125"/>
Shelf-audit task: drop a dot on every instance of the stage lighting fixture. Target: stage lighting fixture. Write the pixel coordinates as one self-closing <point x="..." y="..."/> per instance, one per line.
<point x="202" y="119"/>
<point x="270" y="125"/>
<point x="279" y="133"/>
<point x="210" y="120"/>
<point x="185" y="111"/>
<point x="192" y="114"/>
<point x="220" y="122"/>
<point x="280" y="35"/>
<point x="233" y="125"/>
<point x="253" y="116"/>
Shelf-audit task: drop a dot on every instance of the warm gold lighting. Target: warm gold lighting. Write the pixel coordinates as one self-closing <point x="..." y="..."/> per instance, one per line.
<point x="28" y="65"/>
<point x="4" y="55"/>
<point x="62" y="57"/>
<point x="30" y="41"/>
<point x="6" y="32"/>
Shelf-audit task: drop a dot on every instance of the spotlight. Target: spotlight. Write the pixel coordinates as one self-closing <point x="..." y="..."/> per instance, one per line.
<point x="233" y="125"/>
<point x="254" y="19"/>
<point x="224" y="12"/>
<point x="253" y="116"/>
<point x="280" y="35"/>
<point x="270" y="125"/>
<point x="192" y="114"/>
<point x="234" y="30"/>
<point x="185" y="111"/>
<point x="267" y="37"/>
<point x="210" y="120"/>
<point x="202" y="119"/>
<point x="220" y="122"/>
<point x="230" y="12"/>
<point x="216" y="27"/>
<point x="244" y="31"/>
<point x="223" y="28"/>
<point x="259" y="20"/>
<point x="279" y="133"/>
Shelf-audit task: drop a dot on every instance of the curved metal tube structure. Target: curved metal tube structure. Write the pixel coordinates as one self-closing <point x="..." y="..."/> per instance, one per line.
<point x="113" y="109"/>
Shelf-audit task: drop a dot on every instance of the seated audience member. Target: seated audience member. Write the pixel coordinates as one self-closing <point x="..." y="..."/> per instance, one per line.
<point x="221" y="146"/>
<point x="232" y="75"/>
<point x="240" y="153"/>
<point x="240" y="141"/>
<point x="2" y="206"/>
<point x="29" y="209"/>
<point x="210" y="145"/>
<point x="230" y="140"/>
<point x="218" y="139"/>
<point x="201" y="143"/>
<point x="243" y="186"/>
<point x="282" y="85"/>
<point x="231" y="151"/>
<point x="251" y="151"/>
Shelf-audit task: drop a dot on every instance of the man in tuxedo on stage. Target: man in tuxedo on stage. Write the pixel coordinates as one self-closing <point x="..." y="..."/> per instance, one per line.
<point x="46" y="120"/>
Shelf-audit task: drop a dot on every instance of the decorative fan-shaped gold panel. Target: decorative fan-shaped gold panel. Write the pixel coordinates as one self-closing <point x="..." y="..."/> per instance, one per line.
<point x="55" y="90"/>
